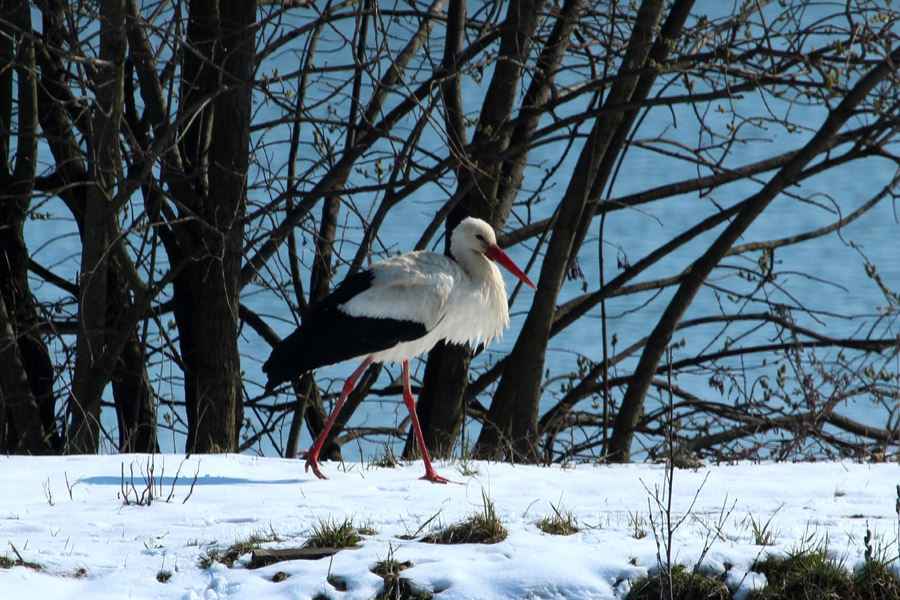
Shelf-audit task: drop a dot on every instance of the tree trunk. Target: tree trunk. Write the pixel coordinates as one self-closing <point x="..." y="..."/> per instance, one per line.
<point x="21" y="428"/>
<point x="27" y="415"/>
<point x="104" y="173"/>
<point x="441" y="408"/>
<point x="511" y="427"/>
<point x="134" y="399"/>
<point x="215" y="150"/>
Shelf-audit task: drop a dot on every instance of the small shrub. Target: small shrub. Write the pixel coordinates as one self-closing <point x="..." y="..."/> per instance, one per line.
<point x="149" y="486"/>
<point x="484" y="527"/>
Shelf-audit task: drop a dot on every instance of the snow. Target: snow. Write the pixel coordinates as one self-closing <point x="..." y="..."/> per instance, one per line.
<point x="68" y="515"/>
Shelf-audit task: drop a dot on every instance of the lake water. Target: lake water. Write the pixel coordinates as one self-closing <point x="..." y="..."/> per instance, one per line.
<point x="629" y="234"/>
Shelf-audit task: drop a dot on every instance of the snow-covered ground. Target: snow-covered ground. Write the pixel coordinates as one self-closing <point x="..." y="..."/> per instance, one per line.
<point x="67" y="514"/>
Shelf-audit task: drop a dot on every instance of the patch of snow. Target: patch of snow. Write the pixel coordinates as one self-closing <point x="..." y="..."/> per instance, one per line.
<point x="68" y="515"/>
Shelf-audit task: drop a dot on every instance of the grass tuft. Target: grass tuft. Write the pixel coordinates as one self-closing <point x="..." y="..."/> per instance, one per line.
<point x="807" y="573"/>
<point x="330" y="533"/>
<point x="763" y="534"/>
<point x="685" y="585"/>
<point x="396" y="587"/>
<point x="8" y="563"/>
<point x="876" y="578"/>
<point x="337" y="582"/>
<point x="467" y="466"/>
<point x="561" y="522"/>
<point x="638" y="525"/>
<point x="483" y="527"/>
<point x="213" y="554"/>
<point x="386" y="458"/>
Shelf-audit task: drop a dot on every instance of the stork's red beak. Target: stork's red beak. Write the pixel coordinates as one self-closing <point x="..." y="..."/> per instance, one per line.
<point x="495" y="253"/>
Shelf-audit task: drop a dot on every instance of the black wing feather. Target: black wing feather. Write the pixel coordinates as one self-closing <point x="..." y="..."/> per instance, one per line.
<point x="330" y="336"/>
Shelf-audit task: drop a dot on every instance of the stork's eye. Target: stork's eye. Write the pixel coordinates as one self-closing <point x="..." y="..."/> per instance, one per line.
<point x="480" y="237"/>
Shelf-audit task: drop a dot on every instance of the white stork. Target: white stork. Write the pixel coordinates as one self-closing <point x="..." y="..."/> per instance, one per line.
<point x="398" y="309"/>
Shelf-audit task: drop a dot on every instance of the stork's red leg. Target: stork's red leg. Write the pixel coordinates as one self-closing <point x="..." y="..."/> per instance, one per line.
<point x="312" y="456"/>
<point x="410" y="402"/>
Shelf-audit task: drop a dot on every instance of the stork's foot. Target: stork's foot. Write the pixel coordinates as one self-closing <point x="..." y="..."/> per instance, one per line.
<point x="312" y="462"/>
<point x="433" y="477"/>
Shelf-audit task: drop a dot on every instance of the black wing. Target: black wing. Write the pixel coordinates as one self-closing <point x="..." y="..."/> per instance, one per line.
<point x="330" y="336"/>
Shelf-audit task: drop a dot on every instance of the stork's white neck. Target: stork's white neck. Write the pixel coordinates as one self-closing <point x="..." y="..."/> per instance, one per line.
<point x="475" y="264"/>
<point x="467" y="248"/>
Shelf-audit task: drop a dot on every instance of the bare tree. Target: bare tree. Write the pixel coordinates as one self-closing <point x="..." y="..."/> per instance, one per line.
<point x="216" y="78"/>
<point x="26" y="385"/>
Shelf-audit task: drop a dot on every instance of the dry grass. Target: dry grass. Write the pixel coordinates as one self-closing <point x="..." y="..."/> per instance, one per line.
<point x="331" y="533"/>
<point x="561" y="522"/>
<point x="482" y="527"/>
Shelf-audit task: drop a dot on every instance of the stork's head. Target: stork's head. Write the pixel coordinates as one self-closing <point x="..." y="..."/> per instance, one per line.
<point x="474" y="237"/>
